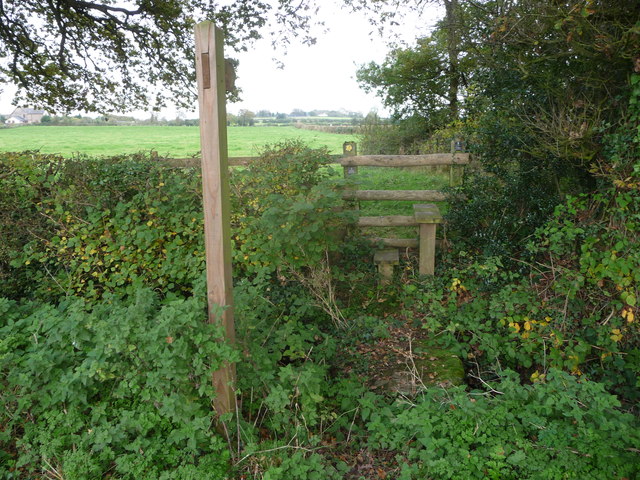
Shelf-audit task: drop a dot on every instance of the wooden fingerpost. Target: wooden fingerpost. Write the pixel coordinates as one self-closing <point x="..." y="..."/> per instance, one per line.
<point x="215" y="193"/>
<point x="428" y="216"/>
<point x="456" y="172"/>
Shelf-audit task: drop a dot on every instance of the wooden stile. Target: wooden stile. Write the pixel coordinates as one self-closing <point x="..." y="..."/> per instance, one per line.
<point x="215" y="189"/>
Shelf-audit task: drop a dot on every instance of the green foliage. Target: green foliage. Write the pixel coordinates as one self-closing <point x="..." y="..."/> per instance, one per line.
<point x="556" y="429"/>
<point x="286" y="209"/>
<point x="384" y="137"/>
<point x="120" y="53"/>
<point x="574" y="304"/>
<point x="102" y="225"/>
<point x="117" y="388"/>
<point x="396" y="79"/>
<point x="299" y="467"/>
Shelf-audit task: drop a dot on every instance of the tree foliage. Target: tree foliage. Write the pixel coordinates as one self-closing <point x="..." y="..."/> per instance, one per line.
<point x="106" y="55"/>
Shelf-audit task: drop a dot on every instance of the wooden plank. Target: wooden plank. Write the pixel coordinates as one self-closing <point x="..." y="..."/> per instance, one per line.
<point x="215" y="192"/>
<point x="400" y="195"/>
<point x="385" y="260"/>
<point x="427" y="213"/>
<point x="396" y="242"/>
<point x="406" y="160"/>
<point x="389" y="255"/>
<point x="388" y="221"/>
<point x="456" y="172"/>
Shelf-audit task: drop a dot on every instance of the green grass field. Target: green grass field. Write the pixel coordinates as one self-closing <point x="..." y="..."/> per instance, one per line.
<point x="175" y="142"/>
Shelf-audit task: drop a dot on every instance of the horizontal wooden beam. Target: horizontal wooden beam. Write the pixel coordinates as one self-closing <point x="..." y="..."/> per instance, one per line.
<point x="194" y="162"/>
<point x="401" y="195"/>
<point x="406" y="160"/>
<point x="396" y="242"/>
<point x="388" y="221"/>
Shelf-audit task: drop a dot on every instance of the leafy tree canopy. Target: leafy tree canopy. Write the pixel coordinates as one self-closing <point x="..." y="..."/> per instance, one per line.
<point x="109" y="55"/>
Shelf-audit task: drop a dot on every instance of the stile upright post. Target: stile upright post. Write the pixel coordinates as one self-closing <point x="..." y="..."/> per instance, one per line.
<point x="350" y="149"/>
<point x="215" y="192"/>
<point x="428" y="217"/>
<point x="456" y="172"/>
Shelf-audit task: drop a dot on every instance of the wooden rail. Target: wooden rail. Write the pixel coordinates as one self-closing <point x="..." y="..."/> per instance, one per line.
<point x="195" y="162"/>
<point x="426" y="216"/>
<point x="405" y="195"/>
<point x="405" y="160"/>
<point x="388" y="221"/>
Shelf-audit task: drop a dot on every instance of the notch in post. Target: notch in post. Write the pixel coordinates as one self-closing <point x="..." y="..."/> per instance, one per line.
<point x="206" y="71"/>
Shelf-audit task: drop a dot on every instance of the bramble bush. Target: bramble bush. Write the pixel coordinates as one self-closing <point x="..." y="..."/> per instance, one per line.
<point x="110" y="388"/>
<point x="91" y="226"/>
<point x="557" y="429"/>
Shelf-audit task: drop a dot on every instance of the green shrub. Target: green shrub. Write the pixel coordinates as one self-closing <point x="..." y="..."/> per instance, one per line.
<point x="559" y="428"/>
<point x="113" y="388"/>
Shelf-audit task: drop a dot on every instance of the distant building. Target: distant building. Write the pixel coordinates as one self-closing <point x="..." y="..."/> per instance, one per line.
<point x="21" y="116"/>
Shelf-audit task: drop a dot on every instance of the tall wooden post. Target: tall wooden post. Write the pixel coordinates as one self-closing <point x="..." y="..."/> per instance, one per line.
<point x="215" y="192"/>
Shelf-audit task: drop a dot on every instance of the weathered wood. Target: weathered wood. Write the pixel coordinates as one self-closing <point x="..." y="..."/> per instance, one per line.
<point x="456" y="175"/>
<point x="215" y="192"/>
<point x="385" y="260"/>
<point x="428" y="216"/>
<point x="427" y="213"/>
<point x="389" y="255"/>
<point x="406" y="160"/>
<point x="350" y="149"/>
<point x="396" y="242"/>
<point x="388" y="221"/>
<point x="456" y="172"/>
<point x="400" y="195"/>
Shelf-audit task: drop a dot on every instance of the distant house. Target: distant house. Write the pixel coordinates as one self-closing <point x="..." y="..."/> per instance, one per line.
<point x="21" y="116"/>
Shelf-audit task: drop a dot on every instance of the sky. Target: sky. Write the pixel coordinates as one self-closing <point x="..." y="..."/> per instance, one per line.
<point x="317" y="77"/>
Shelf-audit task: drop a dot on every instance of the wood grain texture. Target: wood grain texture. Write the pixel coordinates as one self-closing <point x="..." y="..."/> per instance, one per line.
<point x="396" y="242"/>
<point x="427" y="248"/>
<point x="215" y="192"/>
<point x="406" y="195"/>
<point x="406" y="160"/>
<point x="388" y="221"/>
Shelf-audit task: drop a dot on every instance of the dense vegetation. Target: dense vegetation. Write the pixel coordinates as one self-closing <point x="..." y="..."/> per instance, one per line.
<point x="107" y="359"/>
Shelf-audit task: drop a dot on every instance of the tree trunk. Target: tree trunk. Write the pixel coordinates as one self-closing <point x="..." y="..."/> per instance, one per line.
<point x="452" y="21"/>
